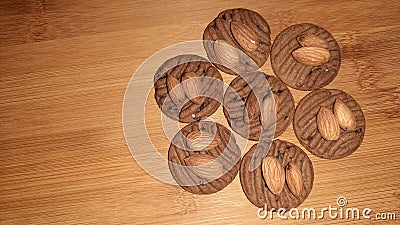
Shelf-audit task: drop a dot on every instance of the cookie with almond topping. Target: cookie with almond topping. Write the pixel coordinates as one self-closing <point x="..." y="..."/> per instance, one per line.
<point x="188" y="88"/>
<point x="254" y="181"/>
<point x="247" y="32"/>
<point x="207" y="167"/>
<point x="311" y="137"/>
<point x="258" y="106"/>
<point x="305" y="57"/>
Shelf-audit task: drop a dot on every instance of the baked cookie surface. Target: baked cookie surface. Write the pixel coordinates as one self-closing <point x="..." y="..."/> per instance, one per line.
<point x="255" y="187"/>
<point x="246" y="101"/>
<point x="296" y="74"/>
<point x="223" y="152"/>
<point x="306" y="127"/>
<point x="246" y="31"/>
<point x="188" y="88"/>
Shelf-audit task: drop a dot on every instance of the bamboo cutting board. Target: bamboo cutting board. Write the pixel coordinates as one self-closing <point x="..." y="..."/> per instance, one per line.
<point x="64" y="69"/>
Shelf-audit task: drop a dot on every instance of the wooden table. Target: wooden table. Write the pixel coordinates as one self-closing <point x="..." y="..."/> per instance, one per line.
<point x="64" y="68"/>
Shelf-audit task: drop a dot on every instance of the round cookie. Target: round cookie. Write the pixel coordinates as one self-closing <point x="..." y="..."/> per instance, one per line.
<point x="296" y="74"/>
<point x="227" y="154"/>
<point x="241" y="98"/>
<point x="306" y="130"/>
<point x="256" y="189"/>
<point x="188" y="88"/>
<point x="244" y="30"/>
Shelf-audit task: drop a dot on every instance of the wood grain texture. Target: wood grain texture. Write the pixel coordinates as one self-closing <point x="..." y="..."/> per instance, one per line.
<point x="64" y="67"/>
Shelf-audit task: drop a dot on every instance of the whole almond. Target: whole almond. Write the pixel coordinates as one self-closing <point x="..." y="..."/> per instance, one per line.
<point x="226" y="54"/>
<point x="310" y="40"/>
<point x="269" y="106"/>
<point x="294" y="179"/>
<point x="192" y="87"/>
<point x="205" y="166"/>
<point x="245" y="36"/>
<point x="311" y="56"/>
<point x="175" y="90"/>
<point x="202" y="141"/>
<point x="327" y="124"/>
<point x="252" y="107"/>
<point x="273" y="174"/>
<point x="344" y="116"/>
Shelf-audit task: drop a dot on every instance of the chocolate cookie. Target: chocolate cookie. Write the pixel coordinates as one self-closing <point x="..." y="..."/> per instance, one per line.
<point x="248" y="34"/>
<point x="246" y="106"/>
<point x="306" y="127"/>
<point x="315" y="42"/>
<point x="253" y="182"/>
<point x="188" y="88"/>
<point x="188" y="155"/>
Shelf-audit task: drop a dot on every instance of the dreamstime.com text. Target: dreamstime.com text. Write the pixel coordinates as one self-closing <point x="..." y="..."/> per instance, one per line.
<point x="340" y="212"/>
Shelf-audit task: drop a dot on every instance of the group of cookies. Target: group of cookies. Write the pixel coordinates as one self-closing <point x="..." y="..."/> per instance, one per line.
<point x="204" y="156"/>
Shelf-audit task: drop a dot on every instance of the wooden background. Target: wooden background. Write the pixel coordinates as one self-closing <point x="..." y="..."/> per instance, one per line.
<point x="64" y="68"/>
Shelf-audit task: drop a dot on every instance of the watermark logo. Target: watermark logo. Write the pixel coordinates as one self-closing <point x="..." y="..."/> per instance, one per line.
<point x="341" y="201"/>
<point x="341" y="212"/>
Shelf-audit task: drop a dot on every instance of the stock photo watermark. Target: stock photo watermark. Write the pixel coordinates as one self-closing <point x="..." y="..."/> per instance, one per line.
<point x="338" y="211"/>
<point x="139" y="90"/>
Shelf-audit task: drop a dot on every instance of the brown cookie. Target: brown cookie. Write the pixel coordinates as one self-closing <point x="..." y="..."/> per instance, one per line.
<point x="188" y="88"/>
<point x="243" y="110"/>
<point x="298" y="75"/>
<point x="209" y="178"/>
<point x="306" y="128"/>
<point x="254" y="185"/>
<point x="244" y="30"/>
